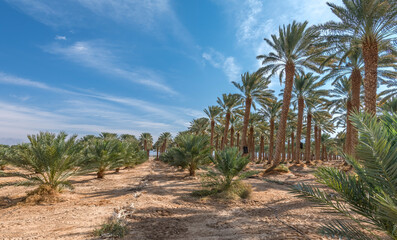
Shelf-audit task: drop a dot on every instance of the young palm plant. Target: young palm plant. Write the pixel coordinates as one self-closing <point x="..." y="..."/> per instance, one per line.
<point x="192" y="151"/>
<point x="227" y="173"/>
<point x="371" y="192"/>
<point x="104" y="154"/>
<point x="51" y="159"/>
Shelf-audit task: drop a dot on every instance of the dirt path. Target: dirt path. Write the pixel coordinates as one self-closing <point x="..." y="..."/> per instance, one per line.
<point x="164" y="209"/>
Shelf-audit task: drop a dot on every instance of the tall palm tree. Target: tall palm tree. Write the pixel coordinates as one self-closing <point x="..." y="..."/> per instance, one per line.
<point x="165" y="139"/>
<point x="271" y="109"/>
<point x="342" y="100"/>
<point x="306" y="90"/>
<point x="228" y="102"/>
<point x="212" y="112"/>
<point x="199" y="126"/>
<point x="294" y="48"/>
<point x="253" y="86"/>
<point x="146" y="141"/>
<point x="319" y="117"/>
<point x="370" y="24"/>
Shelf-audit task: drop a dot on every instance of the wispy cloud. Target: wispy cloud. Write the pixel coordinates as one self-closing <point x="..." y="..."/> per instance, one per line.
<point x="93" y="55"/>
<point x="57" y="37"/>
<point x="226" y="64"/>
<point x="87" y="112"/>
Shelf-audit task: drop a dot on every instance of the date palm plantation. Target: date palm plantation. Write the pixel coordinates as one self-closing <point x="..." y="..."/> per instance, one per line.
<point x="370" y="24"/>
<point x="305" y="118"/>
<point x="292" y="50"/>
<point x="253" y="87"/>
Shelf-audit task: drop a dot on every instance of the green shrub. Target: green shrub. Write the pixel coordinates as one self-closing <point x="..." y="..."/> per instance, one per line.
<point x="371" y="191"/>
<point x="226" y="177"/>
<point x="4" y="150"/>
<point x="192" y="152"/>
<point x="51" y="159"/>
<point x="112" y="228"/>
<point x="131" y="153"/>
<point x="104" y="154"/>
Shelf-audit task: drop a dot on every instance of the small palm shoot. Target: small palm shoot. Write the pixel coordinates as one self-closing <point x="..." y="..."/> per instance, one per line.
<point x="371" y="192"/>
<point x="227" y="175"/>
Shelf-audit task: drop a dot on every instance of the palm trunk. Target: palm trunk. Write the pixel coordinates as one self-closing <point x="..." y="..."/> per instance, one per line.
<point x="251" y="144"/>
<point x="231" y="136"/>
<point x="319" y="142"/>
<point x="248" y="102"/>
<point x="212" y="132"/>
<point x="288" y="150"/>
<point x="370" y="55"/>
<point x="299" y="127"/>
<point x="356" y="83"/>
<point x="216" y="142"/>
<point x="289" y="80"/>
<point x="283" y="154"/>
<point x="316" y="143"/>
<point x="224" y="139"/>
<point x="238" y="139"/>
<point x="292" y="145"/>
<point x="145" y="145"/>
<point x="261" y="148"/>
<point x="157" y="154"/>
<point x="308" y="134"/>
<point x="271" y="144"/>
<point x="348" y="139"/>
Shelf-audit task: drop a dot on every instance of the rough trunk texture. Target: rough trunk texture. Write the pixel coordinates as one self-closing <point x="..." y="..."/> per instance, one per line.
<point x="308" y="136"/>
<point x="356" y="83"/>
<point x="319" y="142"/>
<point x="348" y="139"/>
<point x="289" y="80"/>
<point x="271" y="144"/>
<point x="248" y="102"/>
<point x="370" y="55"/>
<point x="231" y="136"/>
<point x="100" y="173"/>
<point x="283" y="154"/>
<point x="216" y="142"/>
<point x="261" y="148"/>
<point x="212" y="132"/>
<point x="238" y="139"/>
<point x="157" y="153"/>
<point x="301" y="105"/>
<point x="289" y="150"/>
<point x="316" y="143"/>
<point x="292" y="145"/>
<point x="224" y="139"/>
<point x="251" y="147"/>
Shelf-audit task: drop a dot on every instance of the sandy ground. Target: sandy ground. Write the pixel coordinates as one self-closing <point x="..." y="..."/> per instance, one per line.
<point x="164" y="208"/>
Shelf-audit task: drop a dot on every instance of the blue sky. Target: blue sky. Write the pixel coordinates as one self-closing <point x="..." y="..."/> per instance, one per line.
<point x="129" y="66"/>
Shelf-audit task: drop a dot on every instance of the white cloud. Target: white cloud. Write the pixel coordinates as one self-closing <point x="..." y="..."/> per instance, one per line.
<point x="57" y="37"/>
<point x="87" y="112"/>
<point x="93" y="55"/>
<point x="226" y="64"/>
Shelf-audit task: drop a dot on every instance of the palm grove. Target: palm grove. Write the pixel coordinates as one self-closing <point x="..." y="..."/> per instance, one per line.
<point x="330" y="73"/>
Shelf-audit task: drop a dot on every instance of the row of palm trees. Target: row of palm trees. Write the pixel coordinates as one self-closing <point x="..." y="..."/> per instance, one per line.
<point x="354" y="55"/>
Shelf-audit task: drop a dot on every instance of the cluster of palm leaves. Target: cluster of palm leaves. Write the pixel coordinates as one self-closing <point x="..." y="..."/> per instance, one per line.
<point x="51" y="159"/>
<point x="191" y="152"/>
<point x="369" y="193"/>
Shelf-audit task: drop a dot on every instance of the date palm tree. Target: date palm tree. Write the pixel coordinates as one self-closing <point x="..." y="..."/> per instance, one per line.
<point x="212" y="112"/>
<point x="146" y="141"/>
<point x="228" y="103"/>
<point x="253" y="86"/>
<point x="271" y="110"/>
<point x="306" y="91"/>
<point x="370" y="24"/>
<point x="199" y="126"/>
<point x="293" y="49"/>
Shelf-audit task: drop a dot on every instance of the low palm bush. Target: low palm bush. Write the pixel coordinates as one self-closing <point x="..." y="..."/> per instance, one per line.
<point x="131" y="153"/>
<point x="368" y="196"/>
<point x="192" y="151"/>
<point x="227" y="174"/>
<point x="103" y="154"/>
<point x="50" y="159"/>
<point x="4" y="149"/>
